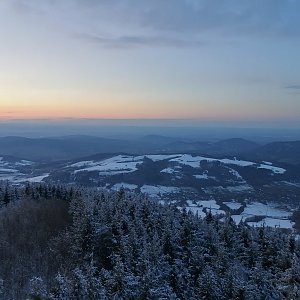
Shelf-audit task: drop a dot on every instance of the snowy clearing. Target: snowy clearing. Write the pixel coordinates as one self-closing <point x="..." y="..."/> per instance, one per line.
<point x="36" y="178"/>
<point x="156" y="190"/>
<point x="235" y="173"/>
<point x="275" y="170"/>
<point x="288" y="224"/>
<point x="168" y="171"/>
<point x="189" y="160"/>
<point x="239" y="188"/>
<point x="209" y="204"/>
<point x="126" y="164"/>
<point x="196" y="210"/>
<point x="203" y="176"/>
<point x="24" y="163"/>
<point x="241" y="163"/>
<point x="5" y="170"/>
<point x="233" y="205"/>
<point x="124" y="185"/>
<point x="260" y="209"/>
<point x="115" y="165"/>
<point x="158" y="157"/>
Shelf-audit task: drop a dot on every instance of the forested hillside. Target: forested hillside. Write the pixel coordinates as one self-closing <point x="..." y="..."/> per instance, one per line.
<point x="69" y="243"/>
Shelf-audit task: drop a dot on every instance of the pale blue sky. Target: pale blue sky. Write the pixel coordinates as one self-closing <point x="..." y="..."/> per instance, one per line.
<point x="214" y="61"/>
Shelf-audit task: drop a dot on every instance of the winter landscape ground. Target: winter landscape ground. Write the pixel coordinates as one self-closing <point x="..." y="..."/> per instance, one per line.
<point x="149" y="150"/>
<point x="256" y="191"/>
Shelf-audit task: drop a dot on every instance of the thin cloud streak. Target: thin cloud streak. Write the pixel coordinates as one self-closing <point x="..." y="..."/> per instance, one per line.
<point x="123" y="42"/>
<point x="293" y="87"/>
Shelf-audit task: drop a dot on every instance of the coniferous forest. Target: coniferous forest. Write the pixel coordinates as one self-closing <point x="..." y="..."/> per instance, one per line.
<point x="69" y="243"/>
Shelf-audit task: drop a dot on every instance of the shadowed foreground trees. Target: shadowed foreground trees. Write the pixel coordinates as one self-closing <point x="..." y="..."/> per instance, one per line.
<point x="59" y="243"/>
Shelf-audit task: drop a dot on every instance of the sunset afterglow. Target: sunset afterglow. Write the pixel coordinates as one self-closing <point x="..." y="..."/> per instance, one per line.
<point x="111" y="60"/>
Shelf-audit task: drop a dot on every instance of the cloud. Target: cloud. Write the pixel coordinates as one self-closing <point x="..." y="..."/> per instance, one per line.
<point x="173" y="23"/>
<point x="141" y="40"/>
<point x="293" y="87"/>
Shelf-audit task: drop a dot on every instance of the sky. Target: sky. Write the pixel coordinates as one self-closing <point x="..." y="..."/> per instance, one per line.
<point x="213" y="61"/>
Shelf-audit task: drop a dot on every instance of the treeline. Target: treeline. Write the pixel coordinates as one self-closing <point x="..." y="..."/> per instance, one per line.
<point x="66" y="243"/>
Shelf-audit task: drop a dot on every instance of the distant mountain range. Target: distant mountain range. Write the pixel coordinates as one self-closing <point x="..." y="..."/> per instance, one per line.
<point x="288" y="152"/>
<point x="60" y="148"/>
<point x="78" y="146"/>
<point x="257" y="183"/>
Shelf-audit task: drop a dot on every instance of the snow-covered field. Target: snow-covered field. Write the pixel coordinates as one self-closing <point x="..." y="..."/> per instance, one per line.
<point x="288" y="224"/>
<point x="21" y="178"/>
<point x="235" y="173"/>
<point x="194" y="161"/>
<point x="36" y="178"/>
<point x="124" y="185"/>
<point x="24" y="163"/>
<point x="273" y="215"/>
<point x="157" y="190"/>
<point x="275" y="170"/>
<point x="5" y="170"/>
<point x="196" y="210"/>
<point x="122" y="164"/>
<point x="198" y="206"/>
<point x="260" y="209"/>
<point x="201" y="176"/>
<point x="168" y="171"/>
<point x="9" y="171"/>
<point x="117" y="164"/>
<point x="114" y="165"/>
<point x="233" y="189"/>
<point x="233" y="205"/>
<point x="174" y="167"/>
<point x="239" y="188"/>
<point x="125" y="164"/>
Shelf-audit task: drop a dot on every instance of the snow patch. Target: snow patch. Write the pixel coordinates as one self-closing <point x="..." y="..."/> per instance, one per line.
<point x="237" y="218"/>
<point x="267" y="163"/>
<point x="275" y="170"/>
<point x="271" y="222"/>
<point x="36" y="179"/>
<point x="114" y="165"/>
<point x="81" y="164"/>
<point x="24" y="163"/>
<point x="203" y="176"/>
<point x="168" y="171"/>
<point x="188" y="160"/>
<point x="235" y="173"/>
<point x="124" y="185"/>
<point x="156" y="190"/>
<point x="260" y="209"/>
<point x="209" y="204"/>
<point x="233" y="205"/>
<point x="241" y="163"/>
<point x="196" y="211"/>
<point x="239" y="188"/>
<point x="5" y="170"/>
<point x="158" y="157"/>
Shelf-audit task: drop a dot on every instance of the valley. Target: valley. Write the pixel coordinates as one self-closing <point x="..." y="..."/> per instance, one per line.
<point x="257" y="192"/>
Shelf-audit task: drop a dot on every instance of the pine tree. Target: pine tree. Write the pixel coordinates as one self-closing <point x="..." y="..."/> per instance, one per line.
<point x="7" y="196"/>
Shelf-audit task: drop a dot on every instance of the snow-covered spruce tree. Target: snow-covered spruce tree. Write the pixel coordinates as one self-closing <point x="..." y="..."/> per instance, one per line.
<point x="89" y="244"/>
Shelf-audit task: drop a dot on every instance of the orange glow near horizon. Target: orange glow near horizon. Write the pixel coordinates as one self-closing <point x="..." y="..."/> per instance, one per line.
<point x="100" y="109"/>
<point x="64" y="111"/>
<point x="114" y="106"/>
